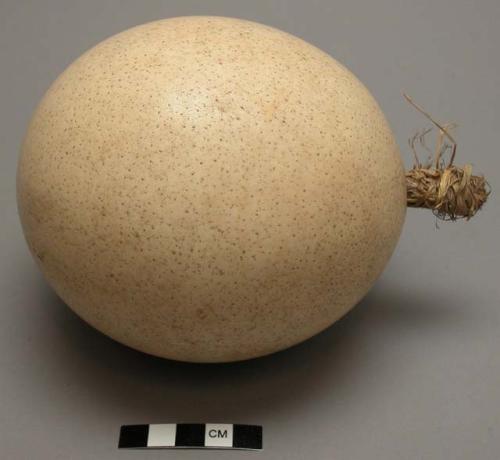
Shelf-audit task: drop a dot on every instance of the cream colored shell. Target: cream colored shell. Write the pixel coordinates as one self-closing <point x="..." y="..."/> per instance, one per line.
<point x="210" y="189"/>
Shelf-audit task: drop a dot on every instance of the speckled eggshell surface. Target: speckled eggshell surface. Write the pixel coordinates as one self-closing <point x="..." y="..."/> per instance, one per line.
<point x="210" y="189"/>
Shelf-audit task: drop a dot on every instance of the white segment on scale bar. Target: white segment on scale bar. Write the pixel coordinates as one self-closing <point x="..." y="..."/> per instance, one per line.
<point x="162" y="435"/>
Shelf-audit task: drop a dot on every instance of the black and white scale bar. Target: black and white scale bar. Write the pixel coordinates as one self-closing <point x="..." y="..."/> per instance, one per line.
<point x="194" y="435"/>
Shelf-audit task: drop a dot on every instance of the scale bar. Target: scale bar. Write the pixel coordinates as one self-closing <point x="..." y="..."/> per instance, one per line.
<point x="191" y="435"/>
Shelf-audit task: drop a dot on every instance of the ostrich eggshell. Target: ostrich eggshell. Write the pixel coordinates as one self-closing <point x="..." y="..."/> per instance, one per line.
<point x="210" y="189"/>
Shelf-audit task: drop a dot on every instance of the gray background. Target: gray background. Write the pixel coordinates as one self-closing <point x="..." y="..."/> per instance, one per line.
<point x="413" y="372"/>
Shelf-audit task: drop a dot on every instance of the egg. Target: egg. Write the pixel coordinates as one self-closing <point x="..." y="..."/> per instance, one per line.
<point x="209" y="189"/>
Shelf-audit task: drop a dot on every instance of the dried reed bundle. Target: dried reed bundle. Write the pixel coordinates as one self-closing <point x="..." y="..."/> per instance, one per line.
<point x="450" y="191"/>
